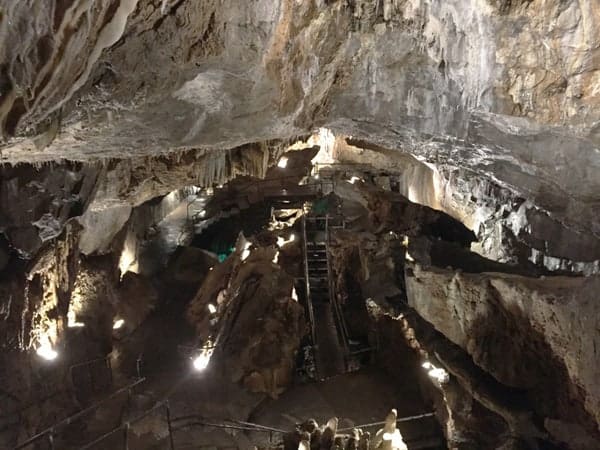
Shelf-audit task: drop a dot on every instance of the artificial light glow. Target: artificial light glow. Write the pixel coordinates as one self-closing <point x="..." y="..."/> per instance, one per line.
<point x="118" y="324"/>
<point x="409" y="258"/>
<point x="281" y="241"/>
<point x="282" y="162"/>
<point x="437" y="373"/>
<point x="405" y="241"/>
<point x="353" y="180"/>
<point x="201" y="361"/>
<point x="72" y="321"/>
<point x="276" y="257"/>
<point x="202" y="213"/>
<point x="212" y="308"/>
<point x="246" y="251"/>
<point x="45" y="351"/>
<point x="396" y="438"/>
<point x="316" y="176"/>
<point x="294" y="294"/>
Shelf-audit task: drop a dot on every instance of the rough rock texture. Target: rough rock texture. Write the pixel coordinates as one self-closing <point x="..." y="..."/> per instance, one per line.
<point x="141" y="97"/>
<point x="34" y="312"/>
<point x="390" y="211"/>
<point x="507" y="89"/>
<point x="36" y="202"/>
<point x="539" y="335"/>
<point x="508" y="227"/>
<point x="257" y="325"/>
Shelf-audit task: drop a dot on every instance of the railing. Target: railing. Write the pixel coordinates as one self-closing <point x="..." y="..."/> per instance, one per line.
<point x="50" y="432"/>
<point x="187" y="421"/>
<point x="197" y="420"/>
<point x="339" y="315"/>
<point x="311" y="314"/>
<point x="124" y="427"/>
<point x="97" y="373"/>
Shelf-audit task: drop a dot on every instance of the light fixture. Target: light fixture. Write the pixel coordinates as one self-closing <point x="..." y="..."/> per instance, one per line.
<point x="118" y="324"/>
<point x="72" y="320"/>
<point x="212" y="308"/>
<point x="201" y="361"/>
<point x="246" y="251"/>
<point x="281" y="241"/>
<point x="436" y="373"/>
<point x="282" y="162"/>
<point x="47" y="352"/>
<point x="396" y="439"/>
<point x="439" y="374"/>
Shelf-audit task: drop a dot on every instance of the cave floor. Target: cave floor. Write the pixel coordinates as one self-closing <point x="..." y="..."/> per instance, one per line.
<point x="355" y="398"/>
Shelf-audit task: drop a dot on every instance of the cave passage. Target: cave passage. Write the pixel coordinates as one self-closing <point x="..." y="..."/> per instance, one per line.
<point x="302" y="307"/>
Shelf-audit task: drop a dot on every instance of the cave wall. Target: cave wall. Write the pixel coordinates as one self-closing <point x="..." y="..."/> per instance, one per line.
<point x="504" y="88"/>
<point x="540" y="335"/>
<point x="509" y="228"/>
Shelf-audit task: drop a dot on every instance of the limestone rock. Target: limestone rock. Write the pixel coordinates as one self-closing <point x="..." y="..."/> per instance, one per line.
<point x="255" y="323"/>
<point x="535" y="334"/>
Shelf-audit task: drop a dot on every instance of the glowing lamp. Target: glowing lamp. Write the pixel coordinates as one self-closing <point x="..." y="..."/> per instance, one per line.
<point x="45" y="351"/>
<point x="282" y="162"/>
<point x="201" y="361"/>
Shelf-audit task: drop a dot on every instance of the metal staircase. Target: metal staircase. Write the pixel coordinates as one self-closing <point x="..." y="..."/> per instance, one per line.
<point x="326" y="328"/>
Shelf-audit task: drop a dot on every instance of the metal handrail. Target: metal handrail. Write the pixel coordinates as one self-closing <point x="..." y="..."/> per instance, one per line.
<point x="106" y="360"/>
<point x="399" y="420"/>
<point x="332" y="297"/>
<point x="125" y="426"/>
<point x="311" y="315"/>
<point x="50" y="431"/>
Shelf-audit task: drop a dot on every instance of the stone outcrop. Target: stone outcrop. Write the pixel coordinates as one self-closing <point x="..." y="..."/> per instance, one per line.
<point x="309" y="435"/>
<point x="36" y="202"/>
<point x="538" y="335"/>
<point x="508" y="227"/>
<point x="245" y="308"/>
<point x="504" y="88"/>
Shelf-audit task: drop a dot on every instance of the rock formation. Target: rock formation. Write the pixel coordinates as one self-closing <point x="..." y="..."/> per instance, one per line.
<point x="469" y="135"/>
<point x="245" y="307"/>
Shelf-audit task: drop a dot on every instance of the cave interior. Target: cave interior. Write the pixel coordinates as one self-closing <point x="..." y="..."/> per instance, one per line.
<point x="320" y="224"/>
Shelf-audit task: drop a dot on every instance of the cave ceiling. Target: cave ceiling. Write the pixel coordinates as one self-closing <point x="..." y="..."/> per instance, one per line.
<point x="506" y="89"/>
